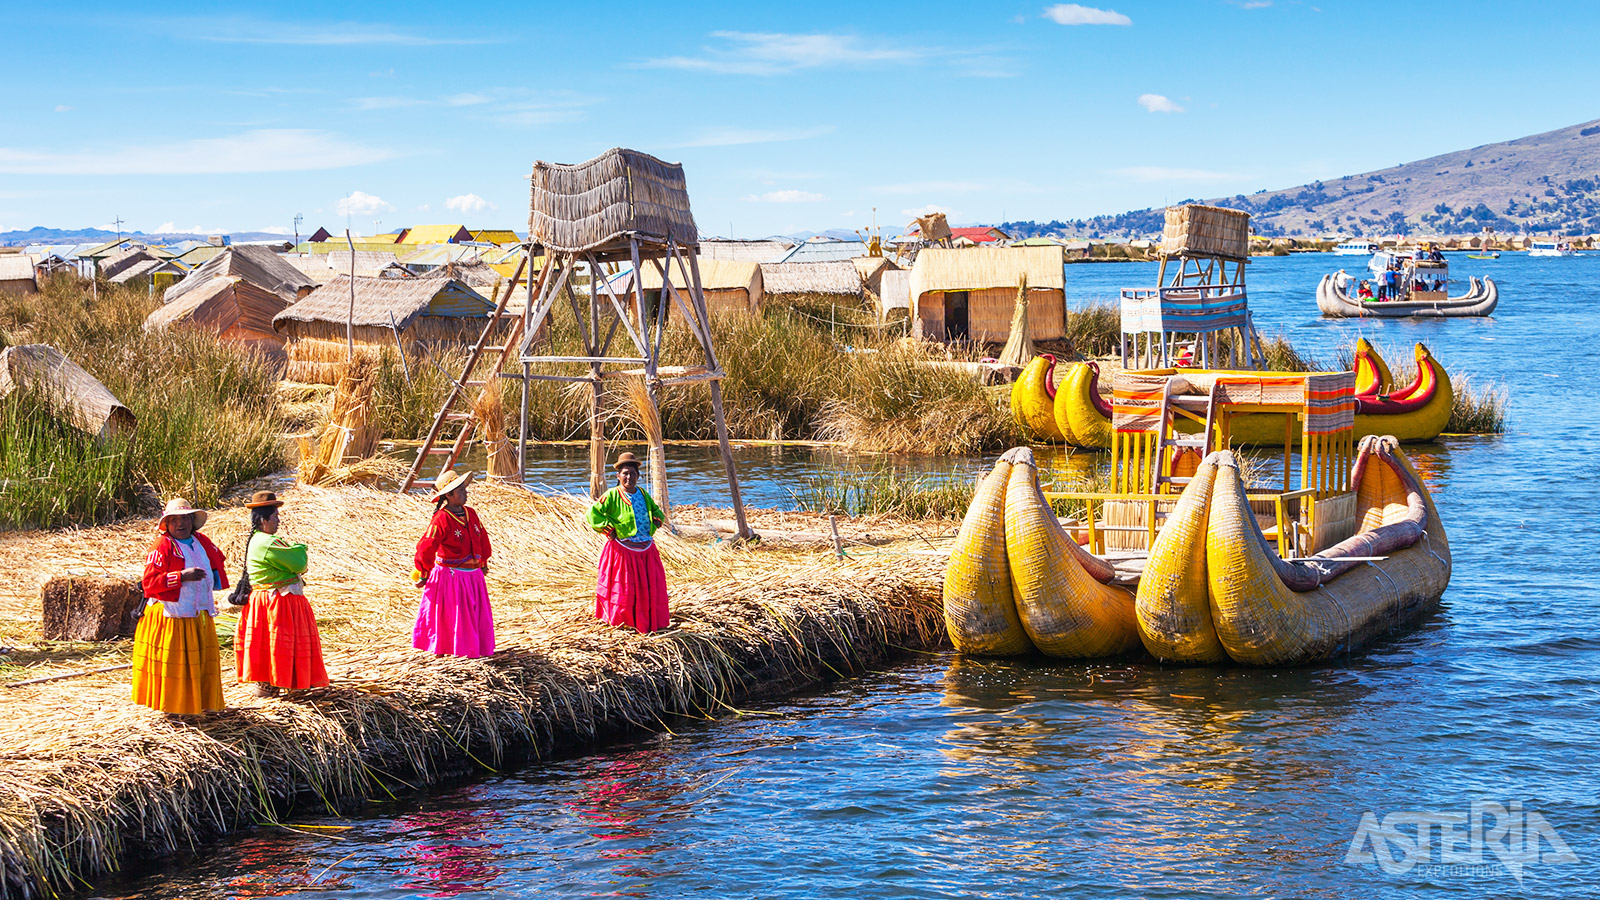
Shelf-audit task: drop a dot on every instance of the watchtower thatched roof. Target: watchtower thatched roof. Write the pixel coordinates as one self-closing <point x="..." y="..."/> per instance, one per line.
<point x="597" y="205"/>
<point x="377" y="299"/>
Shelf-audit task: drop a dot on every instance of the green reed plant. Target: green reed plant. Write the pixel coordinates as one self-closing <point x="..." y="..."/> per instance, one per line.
<point x="1477" y="409"/>
<point x="885" y="491"/>
<point x="1095" y="329"/>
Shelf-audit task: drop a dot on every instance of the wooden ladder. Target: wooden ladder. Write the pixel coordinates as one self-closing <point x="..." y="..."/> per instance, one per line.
<point x="1189" y="406"/>
<point x="460" y="388"/>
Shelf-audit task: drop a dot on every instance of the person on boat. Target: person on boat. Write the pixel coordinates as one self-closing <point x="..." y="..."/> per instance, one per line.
<point x="632" y="587"/>
<point x="1438" y="284"/>
<point x="454" y="618"/>
<point x="1364" y="290"/>
<point x="177" y="667"/>
<point x="277" y="645"/>
<point x="1341" y="280"/>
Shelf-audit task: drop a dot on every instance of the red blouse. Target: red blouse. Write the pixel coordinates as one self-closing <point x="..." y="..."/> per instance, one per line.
<point x="454" y="542"/>
<point x="163" y="567"/>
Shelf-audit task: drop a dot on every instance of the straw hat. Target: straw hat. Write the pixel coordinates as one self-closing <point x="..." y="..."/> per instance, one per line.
<point x="178" y="506"/>
<point x="447" y="482"/>
<point x="625" y="458"/>
<point x="262" y="499"/>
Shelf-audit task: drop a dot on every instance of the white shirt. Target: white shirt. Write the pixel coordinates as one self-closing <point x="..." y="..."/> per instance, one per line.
<point x="193" y="596"/>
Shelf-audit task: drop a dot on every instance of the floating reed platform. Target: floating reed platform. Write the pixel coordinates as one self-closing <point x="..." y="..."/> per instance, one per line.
<point x="89" y="781"/>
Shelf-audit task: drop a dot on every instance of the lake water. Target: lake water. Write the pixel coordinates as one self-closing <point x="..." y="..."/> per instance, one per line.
<point x="948" y="777"/>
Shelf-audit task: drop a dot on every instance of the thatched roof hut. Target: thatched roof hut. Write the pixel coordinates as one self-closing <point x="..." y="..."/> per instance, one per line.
<point x="17" y="274"/>
<point x="79" y="395"/>
<point x="417" y="314"/>
<point x="636" y="195"/>
<point x="729" y="285"/>
<point x="969" y="294"/>
<point x="235" y="295"/>
<point x="792" y="280"/>
<point x="871" y="270"/>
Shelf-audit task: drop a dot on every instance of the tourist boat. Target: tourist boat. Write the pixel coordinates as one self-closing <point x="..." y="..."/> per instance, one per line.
<point x="1216" y="570"/>
<point x="1417" y="411"/>
<point x="1551" y="248"/>
<point x="1355" y="248"/>
<point x="1479" y="300"/>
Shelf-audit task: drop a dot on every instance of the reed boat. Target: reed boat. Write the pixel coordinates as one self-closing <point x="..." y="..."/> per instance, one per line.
<point x="1017" y="581"/>
<point x="1033" y="397"/>
<point x="1313" y="567"/>
<point x="1215" y="590"/>
<point x="1418" y="411"/>
<point x="1480" y="300"/>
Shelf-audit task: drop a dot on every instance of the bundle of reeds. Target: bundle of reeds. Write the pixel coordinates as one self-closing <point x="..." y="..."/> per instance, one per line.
<point x="1019" y="345"/>
<point x="351" y="433"/>
<point x="649" y="418"/>
<point x="489" y="411"/>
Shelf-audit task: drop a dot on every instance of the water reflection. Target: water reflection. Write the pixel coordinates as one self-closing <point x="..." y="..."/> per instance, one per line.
<point x="629" y="804"/>
<point x="453" y="857"/>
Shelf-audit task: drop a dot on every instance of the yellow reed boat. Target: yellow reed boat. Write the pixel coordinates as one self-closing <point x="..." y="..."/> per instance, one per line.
<point x="1314" y="567"/>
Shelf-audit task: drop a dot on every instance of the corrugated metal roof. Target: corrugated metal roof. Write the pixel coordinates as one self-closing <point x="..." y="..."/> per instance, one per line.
<point x="438" y="255"/>
<point x="824" y="251"/>
<point x="496" y="236"/>
<point x="437" y="234"/>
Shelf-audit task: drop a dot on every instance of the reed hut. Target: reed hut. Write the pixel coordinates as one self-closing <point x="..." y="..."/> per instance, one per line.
<point x="970" y="293"/>
<point x="894" y="293"/>
<point x="418" y="315"/>
<point x="17" y="274"/>
<point x="73" y="392"/>
<point x="836" y="280"/>
<point x="729" y="285"/>
<point x="235" y="296"/>
<point x="871" y="269"/>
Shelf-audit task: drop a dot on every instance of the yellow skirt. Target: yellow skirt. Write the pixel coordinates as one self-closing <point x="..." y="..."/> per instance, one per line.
<point x="177" y="667"/>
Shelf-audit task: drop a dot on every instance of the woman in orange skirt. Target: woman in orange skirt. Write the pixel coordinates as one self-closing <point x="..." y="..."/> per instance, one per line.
<point x="277" y="644"/>
<point x="177" y="667"/>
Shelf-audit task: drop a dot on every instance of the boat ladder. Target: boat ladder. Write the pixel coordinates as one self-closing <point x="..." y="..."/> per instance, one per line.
<point x="1195" y="407"/>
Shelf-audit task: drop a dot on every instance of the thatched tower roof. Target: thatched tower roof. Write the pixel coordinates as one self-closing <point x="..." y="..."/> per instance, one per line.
<point x="597" y="205"/>
<point x="76" y="393"/>
<point x="258" y="266"/>
<point x="377" y="299"/>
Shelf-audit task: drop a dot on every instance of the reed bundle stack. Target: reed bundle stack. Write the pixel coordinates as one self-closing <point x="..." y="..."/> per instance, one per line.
<point x="489" y="411"/>
<point x="1019" y="345"/>
<point x="89" y="780"/>
<point x="352" y="432"/>
<point x="1196" y="230"/>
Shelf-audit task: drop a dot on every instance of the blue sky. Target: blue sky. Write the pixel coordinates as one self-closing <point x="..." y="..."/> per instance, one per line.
<point x="787" y="117"/>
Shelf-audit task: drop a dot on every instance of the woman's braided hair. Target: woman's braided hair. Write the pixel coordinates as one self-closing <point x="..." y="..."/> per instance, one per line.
<point x="240" y="596"/>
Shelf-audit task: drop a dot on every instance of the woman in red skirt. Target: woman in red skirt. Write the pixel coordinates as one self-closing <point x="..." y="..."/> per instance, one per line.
<point x="632" y="589"/>
<point x="278" y="644"/>
<point x="454" y="618"/>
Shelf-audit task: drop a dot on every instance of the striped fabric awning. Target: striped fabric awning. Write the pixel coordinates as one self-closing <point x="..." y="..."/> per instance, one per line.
<point x="1136" y="402"/>
<point x="1330" y="403"/>
<point x="1327" y="399"/>
<point x="1185" y="310"/>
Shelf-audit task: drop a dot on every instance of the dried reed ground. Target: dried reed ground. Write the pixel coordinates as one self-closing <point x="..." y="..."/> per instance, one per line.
<point x="90" y="780"/>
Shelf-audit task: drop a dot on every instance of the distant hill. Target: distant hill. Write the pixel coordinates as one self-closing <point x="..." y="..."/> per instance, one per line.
<point x="1545" y="183"/>
<point x="42" y="235"/>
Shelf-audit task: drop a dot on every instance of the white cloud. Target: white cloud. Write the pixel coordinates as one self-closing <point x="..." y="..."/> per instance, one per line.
<point x="1073" y="14"/>
<point x="165" y="228"/>
<point x="262" y="150"/>
<point x="786" y="197"/>
<point x="276" y="229"/>
<point x="1158" y="104"/>
<point x="63" y="108"/>
<point x="748" y="53"/>
<point x="240" y="30"/>
<point x="426" y="207"/>
<point x="1252" y="4"/>
<point x="363" y="204"/>
<point x="468" y="204"/>
<point x="1167" y="173"/>
<point x="728" y="137"/>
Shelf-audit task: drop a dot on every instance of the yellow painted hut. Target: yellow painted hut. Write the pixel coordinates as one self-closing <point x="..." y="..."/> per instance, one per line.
<point x="729" y="285"/>
<point x="970" y="293"/>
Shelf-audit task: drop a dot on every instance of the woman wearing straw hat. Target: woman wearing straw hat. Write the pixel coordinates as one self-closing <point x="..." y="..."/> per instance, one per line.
<point x="632" y="588"/>
<point x="454" y="618"/>
<point x="278" y="645"/>
<point x="176" y="664"/>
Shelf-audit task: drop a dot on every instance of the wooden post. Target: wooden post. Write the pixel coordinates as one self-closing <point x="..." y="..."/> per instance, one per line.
<point x="699" y="300"/>
<point x="652" y="381"/>
<point x="597" y="432"/>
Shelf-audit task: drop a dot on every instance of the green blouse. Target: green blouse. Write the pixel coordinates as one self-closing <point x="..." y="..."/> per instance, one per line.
<point x="614" y="511"/>
<point x="273" y="561"/>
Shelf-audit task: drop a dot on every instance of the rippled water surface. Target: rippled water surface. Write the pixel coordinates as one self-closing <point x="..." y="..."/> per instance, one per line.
<point x="947" y="777"/>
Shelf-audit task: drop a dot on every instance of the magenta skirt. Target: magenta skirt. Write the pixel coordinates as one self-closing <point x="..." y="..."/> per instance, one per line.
<point x="454" y="618"/>
<point x="632" y="589"/>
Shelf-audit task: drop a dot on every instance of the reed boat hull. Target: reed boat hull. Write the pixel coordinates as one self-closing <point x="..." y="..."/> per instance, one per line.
<point x="1260" y="610"/>
<point x="1480" y="300"/>
<point x="1059" y="593"/>
<point x="1033" y="397"/>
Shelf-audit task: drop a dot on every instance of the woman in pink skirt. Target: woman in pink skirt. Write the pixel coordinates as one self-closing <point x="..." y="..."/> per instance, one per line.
<point x="454" y="618"/>
<point x="632" y="589"/>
